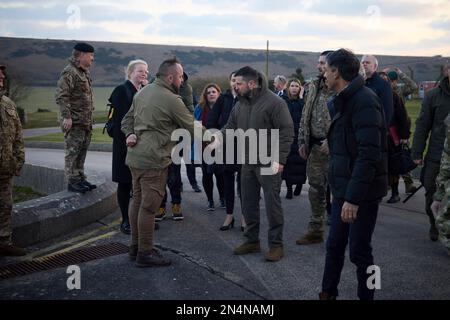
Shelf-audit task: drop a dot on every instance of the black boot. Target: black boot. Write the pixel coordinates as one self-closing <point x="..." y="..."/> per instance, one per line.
<point x="298" y="190"/>
<point x="125" y="227"/>
<point x="77" y="187"/>
<point x="289" y="192"/>
<point x="89" y="185"/>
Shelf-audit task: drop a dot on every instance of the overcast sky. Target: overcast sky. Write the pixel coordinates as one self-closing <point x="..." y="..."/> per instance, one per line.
<point x="397" y="27"/>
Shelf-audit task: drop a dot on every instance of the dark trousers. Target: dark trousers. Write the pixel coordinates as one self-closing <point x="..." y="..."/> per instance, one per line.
<point x="174" y="184"/>
<point x="208" y="182"/>
<point x="229" y="182"/>
<point x="190" y="171"/>
<point x="123" y="198"/>
<point x="428" y="178"/>
<point x="359" y="234"/>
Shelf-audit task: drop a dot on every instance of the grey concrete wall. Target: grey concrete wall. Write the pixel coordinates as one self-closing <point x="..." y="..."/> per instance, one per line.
<point x="61" y="212"/>
<point x="41" y="179"/>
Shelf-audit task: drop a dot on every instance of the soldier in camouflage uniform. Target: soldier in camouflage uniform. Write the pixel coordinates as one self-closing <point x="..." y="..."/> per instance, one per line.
<point x="74" y="98"/>
<point x="12" y="158"/>
<point x="314" y="126"/>
<point x="441" y="204"/>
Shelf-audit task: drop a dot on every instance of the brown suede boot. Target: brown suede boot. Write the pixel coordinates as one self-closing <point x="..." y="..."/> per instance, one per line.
<point x="310" y="238"/>
<point x="152" y="258"/>
<point x="133" y="252"/>
<point x="326" y="296"/>
<point x="247" y="247"/>
<point x="10" y="250"/>
<point x="275" y="254"/>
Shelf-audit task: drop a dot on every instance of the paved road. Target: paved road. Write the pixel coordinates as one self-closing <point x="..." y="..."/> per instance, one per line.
<point x="412" y="267"/>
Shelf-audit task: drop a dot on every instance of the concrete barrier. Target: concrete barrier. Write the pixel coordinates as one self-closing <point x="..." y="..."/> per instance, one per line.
<point x="61" y="211"/>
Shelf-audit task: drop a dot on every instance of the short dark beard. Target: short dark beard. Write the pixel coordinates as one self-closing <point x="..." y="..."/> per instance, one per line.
<point x="177" y="90"/>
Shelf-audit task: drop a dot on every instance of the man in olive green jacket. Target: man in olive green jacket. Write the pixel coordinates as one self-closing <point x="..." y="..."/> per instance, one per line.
<point x="430" y="123"/>
<point x="157" y="111"/>
<point x="259" y="109"/>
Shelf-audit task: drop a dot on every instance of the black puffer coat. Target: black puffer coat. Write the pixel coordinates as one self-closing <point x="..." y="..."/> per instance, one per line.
<point x="358" y="146"/>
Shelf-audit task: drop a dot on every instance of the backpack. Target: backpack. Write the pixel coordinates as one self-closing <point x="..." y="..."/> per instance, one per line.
<point x="109" y="125"/>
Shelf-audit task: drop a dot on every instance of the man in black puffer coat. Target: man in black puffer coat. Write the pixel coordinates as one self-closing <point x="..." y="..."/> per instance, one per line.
<point x="357" y="172"/>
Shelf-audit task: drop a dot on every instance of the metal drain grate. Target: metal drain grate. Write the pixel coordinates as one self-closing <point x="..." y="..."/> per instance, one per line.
<point x="62" y="260"/>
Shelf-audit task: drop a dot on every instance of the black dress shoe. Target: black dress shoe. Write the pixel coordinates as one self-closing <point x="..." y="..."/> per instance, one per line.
<point x="394" y="199"/>
<point x="125" y="227"/>
<point x="77" y="187"/>
<point x="196" y="188"/>
<point x="227" y="227"/>
<point x="89" y="185"/>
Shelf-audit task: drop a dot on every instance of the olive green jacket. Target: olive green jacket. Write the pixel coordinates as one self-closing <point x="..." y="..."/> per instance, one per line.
<point x="157" y="111"/>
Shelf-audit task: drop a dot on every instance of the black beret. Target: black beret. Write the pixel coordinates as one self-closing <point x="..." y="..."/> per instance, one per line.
<point x="2" y="67"/>
<point x="84" y="47"/>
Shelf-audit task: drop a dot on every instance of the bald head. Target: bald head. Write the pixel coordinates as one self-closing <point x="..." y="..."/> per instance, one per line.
<point x="370" y="65"/>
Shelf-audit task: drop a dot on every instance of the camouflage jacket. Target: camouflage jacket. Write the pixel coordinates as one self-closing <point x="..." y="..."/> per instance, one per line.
<point x="409" y="86"/>
<point x="12" y="155"/>
<point x="316" y="118"/>
<point x="74" y="95"/>
<point x="443" y="178"/>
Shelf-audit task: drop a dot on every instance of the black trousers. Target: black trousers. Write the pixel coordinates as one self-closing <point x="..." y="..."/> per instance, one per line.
<point x="208" y="182"/>
<point x="190" y="171"/>
<point x="124" y="193"/>
<point x="229" y="175"/>
<point x="174" y="184"/>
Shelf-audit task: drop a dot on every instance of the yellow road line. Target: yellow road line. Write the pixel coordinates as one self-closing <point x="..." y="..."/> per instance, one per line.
<point x="81" y="237"/>
<point x="78" y="245"/>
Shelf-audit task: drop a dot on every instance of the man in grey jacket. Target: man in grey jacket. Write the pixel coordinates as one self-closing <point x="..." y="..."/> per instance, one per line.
<point x="259" y="111"/>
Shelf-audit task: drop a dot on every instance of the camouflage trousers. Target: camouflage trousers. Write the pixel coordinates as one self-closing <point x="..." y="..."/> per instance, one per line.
<point x="77" y="143"/>
<point x="443" y="223"/>
<point x="6" y="203"/>
<point x="430" y="171"/>
<point x="316" y="170"/>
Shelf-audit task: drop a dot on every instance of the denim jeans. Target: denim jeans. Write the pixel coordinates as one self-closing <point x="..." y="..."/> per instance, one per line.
<point x="359" y="235"/>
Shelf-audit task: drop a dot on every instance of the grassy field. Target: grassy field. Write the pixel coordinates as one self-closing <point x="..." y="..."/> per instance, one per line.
<point x="21" y="194"/>
<point x="44" y="98"/>
<point x="97" y="137"/>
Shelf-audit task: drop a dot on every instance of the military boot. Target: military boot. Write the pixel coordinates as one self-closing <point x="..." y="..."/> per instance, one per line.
<point x="10" y="250"/>
<point x="247" y="247"/>
<point x="77" y="187"/>
<point x="326" y="296"/>
<point x="275" y="254"/>
<point x="152" y="258"/>
<point x="89" y="185"/>
<point x="310" y="238"/>
<point x="132" y="254"/>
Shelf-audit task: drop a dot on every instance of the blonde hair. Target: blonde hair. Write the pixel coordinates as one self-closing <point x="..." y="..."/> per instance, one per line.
<point x="289" y="91"/>
<point x="131" y="65"/>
